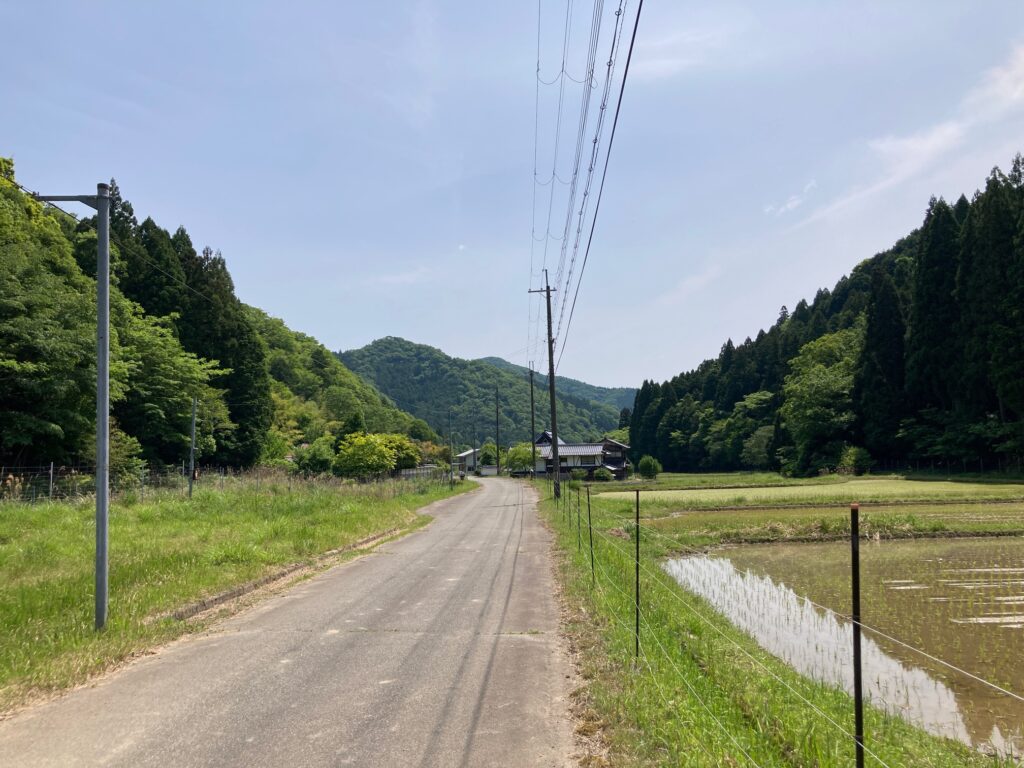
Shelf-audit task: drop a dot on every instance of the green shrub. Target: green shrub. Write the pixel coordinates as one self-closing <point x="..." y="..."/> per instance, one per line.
<point x="648" y="467"/>
<point x="578" y="474"/>
<point x="603" y="475"/>
<point x="855" y="460"/>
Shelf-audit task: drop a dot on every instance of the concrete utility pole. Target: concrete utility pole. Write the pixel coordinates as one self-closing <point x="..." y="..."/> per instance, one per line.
<point x="101" y="202"/>
<point x="192" y="451"/>
<point x="451" y="450"/>
<point x="497" y="435"/>
<point x="533" y="429"/>
<point x="555" y="463"/>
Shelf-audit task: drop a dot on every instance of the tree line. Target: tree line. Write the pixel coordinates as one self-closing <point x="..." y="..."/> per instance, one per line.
<point x="178" y="332"/>
<point x="914" y="359"/>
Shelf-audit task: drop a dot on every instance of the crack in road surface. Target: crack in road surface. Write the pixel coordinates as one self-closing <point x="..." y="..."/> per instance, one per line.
<point x="454" y="660"/>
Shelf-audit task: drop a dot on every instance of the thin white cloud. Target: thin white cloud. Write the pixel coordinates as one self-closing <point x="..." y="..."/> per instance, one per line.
<point x="710" y="38"/>
<point x="792" y="202"/>
<point x="1000" y="91"/>
<point x="906" y="156"/>
<point x="689" y="285"/>
<point x="680" y="52"/>
<point x="900" y="158"/>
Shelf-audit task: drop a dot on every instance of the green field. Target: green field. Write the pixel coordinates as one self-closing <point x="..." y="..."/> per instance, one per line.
<point x="702" y="692"/>
<point x="678" y="480"/>
<point x="164" y="553"/>
<point x="866" y="490"/>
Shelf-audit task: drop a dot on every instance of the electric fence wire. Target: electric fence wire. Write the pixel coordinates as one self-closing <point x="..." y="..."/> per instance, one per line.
<point x="138" y="253"/>
<point x="604" y="175"/>
<point x="594" y="154"/>
<point x="643" y="652"/>
<point x="739" y="647"/>
<point x="837" y="614"/>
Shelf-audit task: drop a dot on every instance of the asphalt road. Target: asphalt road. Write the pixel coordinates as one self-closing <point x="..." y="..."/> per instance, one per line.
<point x="440" y="649"/>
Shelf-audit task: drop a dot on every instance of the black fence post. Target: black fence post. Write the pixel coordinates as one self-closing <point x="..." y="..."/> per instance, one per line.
<point x="858" y="687"/>
<point x="590" y="531"/>
<point x="636" y="650"/>
<point x="579" y="526"/>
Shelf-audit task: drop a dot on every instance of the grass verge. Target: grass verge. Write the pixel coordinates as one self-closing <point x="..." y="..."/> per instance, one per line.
<point x="702" y="693"/>
<point x="164" y="553"/>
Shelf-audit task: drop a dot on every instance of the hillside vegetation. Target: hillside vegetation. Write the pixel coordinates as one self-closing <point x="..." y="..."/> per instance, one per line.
<point x="913" y="359"/>
<point x="617" y="397"/>
<point x="426" y="382"/>
<point x="178" y="332"/>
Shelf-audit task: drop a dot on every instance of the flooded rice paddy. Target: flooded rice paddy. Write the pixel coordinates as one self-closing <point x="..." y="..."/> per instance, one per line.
<point x="960" y="600"/>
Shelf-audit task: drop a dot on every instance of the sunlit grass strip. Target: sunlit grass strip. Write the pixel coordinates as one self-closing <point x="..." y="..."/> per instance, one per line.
<point x="655" y="712"/>
<point x="870" y="490"/>
<point x="165" y="553"/>
<point x="707" y="480"/>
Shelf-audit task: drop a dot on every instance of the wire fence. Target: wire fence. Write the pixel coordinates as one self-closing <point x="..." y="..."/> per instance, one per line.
<point x="60" y="483"/>
<point x="612" y="550"/>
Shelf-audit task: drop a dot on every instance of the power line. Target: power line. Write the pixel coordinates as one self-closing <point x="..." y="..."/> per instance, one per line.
<point x="595" y="152"/>
<point x="604" y="174"/>
<point x="595" y="32"/>
<point x="566" y="37"/>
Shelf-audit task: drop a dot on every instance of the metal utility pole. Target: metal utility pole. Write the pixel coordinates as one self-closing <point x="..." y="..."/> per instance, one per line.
<point x="497" y="434"/>
<point x="555" y="463"/>
<point x="533" y="429"/>
<point x="192" y="451"/>
<point x="101" y="202"/>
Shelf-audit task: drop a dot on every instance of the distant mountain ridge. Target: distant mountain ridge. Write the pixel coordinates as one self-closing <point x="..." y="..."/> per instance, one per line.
<point x="617" y="397"/>
<point x="426" y="382"/>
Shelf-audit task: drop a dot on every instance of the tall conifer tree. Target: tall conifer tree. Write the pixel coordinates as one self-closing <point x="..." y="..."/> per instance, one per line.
<point x="878" y="384"/>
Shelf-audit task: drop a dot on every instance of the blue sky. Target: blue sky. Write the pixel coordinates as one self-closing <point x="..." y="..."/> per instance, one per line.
<point x="367" y="168"/>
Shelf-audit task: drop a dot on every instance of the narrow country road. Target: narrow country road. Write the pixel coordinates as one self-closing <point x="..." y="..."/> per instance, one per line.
<point x="440" y="649"/>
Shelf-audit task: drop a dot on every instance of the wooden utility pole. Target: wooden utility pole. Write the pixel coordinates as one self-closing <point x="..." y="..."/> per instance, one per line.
<point x="555" y="463"/>
<point x="533" y="429"/>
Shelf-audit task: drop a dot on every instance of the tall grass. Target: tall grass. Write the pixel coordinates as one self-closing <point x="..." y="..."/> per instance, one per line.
<point x="165" y="552"/>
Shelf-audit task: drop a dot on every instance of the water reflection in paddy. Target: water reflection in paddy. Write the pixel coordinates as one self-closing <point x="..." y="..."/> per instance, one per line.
<point x="961" y="600"/>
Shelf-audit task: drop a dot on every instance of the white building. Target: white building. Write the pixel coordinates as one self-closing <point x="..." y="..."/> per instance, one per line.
<point x="608" y="453"/>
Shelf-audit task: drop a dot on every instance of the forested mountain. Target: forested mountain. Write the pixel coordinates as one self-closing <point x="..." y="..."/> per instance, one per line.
<point x="426" y="382"/>
<point x="917" y="357"/>
<point x="315" y="394"/>
<point x="617" y="397"/>
<point x="178" y="331"/>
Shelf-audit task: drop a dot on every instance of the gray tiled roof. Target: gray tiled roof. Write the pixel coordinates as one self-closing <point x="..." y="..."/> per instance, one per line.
<point x="572" y="449"/>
